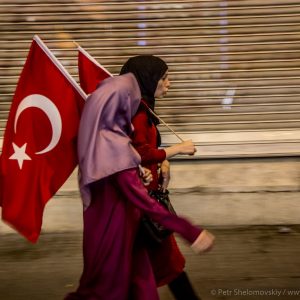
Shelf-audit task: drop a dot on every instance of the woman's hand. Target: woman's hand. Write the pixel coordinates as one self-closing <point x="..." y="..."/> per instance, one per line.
<point x="187" y="147"/>
<point x="146" y="175"/>
<point x="204" y="242"/>
<point x="165" y="174"/>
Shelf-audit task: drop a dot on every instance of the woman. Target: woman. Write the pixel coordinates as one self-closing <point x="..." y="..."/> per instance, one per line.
<point x="151" y="73"/>
<point x="116" y="264"/>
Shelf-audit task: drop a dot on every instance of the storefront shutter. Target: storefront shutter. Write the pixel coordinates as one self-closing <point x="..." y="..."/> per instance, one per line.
<point x="234" y="65"/>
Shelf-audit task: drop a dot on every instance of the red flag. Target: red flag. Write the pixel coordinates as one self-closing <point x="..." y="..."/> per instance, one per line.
<point x="39" y="147"/>
<point x="90" y="71"/>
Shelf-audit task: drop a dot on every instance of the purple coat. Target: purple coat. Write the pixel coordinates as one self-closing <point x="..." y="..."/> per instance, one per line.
<point x="116" y="263"/>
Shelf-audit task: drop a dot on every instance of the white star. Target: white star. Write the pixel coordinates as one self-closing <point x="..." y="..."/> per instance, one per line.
<point x="20" y="154"/>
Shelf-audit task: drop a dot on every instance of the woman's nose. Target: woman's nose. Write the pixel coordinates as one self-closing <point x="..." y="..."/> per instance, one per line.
<point x="168" y="83"/>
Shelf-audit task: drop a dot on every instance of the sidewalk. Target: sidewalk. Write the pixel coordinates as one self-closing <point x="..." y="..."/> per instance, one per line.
<point x="255" y="262"/>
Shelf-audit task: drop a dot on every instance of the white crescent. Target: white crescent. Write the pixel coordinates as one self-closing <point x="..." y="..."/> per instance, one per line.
<point x="48" y="107"/>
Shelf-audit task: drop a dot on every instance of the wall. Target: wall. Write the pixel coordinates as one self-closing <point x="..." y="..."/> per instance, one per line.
<point x="219" y="192"/>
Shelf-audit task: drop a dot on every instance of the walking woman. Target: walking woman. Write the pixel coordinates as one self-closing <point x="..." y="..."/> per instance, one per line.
<point x="116" y="263"/>
<point x="151" y="73"/>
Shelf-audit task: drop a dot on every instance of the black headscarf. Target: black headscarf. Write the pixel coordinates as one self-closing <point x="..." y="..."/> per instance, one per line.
<point x="148" y="70"/>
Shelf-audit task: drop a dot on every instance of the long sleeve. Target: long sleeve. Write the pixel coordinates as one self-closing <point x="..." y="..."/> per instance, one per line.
<point x="131" y="186"/>
<point x="144" y="140"/>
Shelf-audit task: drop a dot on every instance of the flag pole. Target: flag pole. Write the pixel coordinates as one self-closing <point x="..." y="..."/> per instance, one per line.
<point x="76" y="44"/>
<point x="59" y="66"/>
<point x="168" y="126"/>
<point x="91" y="58"/>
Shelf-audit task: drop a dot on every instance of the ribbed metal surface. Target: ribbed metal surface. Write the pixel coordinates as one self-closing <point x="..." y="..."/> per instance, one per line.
<point x="234" y="65"/>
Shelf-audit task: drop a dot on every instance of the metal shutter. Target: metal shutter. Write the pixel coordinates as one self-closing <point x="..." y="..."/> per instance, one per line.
<point x="234" y="65"/>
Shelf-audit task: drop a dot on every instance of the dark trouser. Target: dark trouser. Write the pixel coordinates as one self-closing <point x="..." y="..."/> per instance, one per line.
<point x="182" y="289"/>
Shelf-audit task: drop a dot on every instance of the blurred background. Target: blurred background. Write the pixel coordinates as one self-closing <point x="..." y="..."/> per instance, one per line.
<point x="234" y="68"/>
<point x="234" y="65"/>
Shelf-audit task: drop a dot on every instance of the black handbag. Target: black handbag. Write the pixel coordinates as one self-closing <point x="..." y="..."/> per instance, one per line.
<point x="152" y="231"/>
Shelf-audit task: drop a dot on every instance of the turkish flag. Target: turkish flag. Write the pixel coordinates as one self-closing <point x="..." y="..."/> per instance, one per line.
<point x="90" y="71"/>
<point x="39" y="148"/>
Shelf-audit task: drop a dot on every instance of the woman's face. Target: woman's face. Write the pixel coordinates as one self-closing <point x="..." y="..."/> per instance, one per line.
<point x="162" y="86"/>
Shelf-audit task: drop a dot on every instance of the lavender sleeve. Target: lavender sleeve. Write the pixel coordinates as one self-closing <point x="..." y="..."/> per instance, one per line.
<point x="131" y="186"/>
